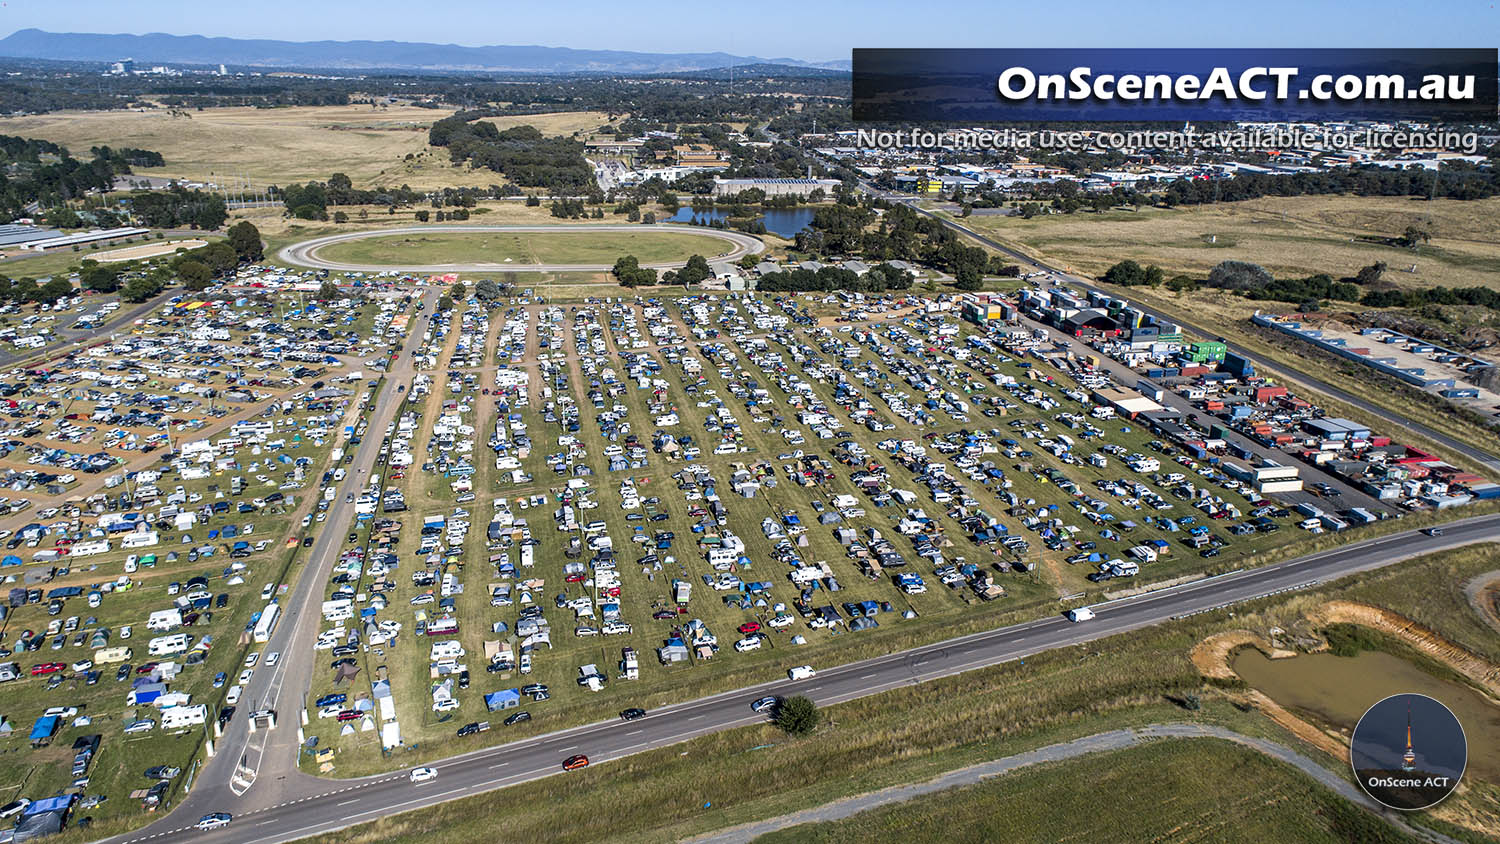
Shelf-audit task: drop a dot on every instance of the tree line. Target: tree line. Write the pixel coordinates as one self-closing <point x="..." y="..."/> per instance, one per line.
<point x="45" y="173"/>
<point x="521" y="153"/>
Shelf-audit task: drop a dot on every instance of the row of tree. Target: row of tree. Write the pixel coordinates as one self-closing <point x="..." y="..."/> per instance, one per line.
<point x="44" y="173"/>
<point x="521" y="153"/>
<point x="879" y="279"/>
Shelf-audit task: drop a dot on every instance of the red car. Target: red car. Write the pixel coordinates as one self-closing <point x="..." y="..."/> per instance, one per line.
<point x="348" y="715"/>
<point x="610" y="591"/>
<point x="750" y="627"/>
<point x="574" y="578"/>
<point x="46" y="668"/>
<point x="573" y="763"/>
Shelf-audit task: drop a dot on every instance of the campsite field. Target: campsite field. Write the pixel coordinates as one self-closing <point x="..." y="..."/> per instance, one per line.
<point x="279" y="146"/>
<point x="905" y="736"/>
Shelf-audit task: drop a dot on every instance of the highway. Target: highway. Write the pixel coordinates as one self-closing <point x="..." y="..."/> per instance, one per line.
<point x="1262" y="364"/>
<point x="305" y="254"/>
<point x="301" y="805"/>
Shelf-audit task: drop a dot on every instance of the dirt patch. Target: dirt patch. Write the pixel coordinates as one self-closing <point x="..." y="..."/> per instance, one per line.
<point x="1484" y="596"/>
<point x="148" y="250"/>
<point x="1477" y="670"/>
<point x="1211" y="655"/>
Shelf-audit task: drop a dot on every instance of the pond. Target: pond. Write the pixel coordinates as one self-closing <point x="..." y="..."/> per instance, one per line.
<point x="1339" y="689"/>
<point x="782" y="222"/>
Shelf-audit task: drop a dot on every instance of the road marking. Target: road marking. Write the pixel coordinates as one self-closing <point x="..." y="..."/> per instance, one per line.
<point x="635" y="733"/>
<point x="346" y="803"/>
<point x="501" y="765"/>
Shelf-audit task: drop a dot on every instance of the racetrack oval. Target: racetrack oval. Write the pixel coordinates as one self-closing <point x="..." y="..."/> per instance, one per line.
<point x="306" y="253"/>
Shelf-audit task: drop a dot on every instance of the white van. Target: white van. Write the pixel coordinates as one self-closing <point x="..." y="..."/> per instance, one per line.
<point x="168" y="645"/>
<point x="178" y="717"/>
<point x="446" y="649"/>
<point x="800" y="672"/>
<point x="163" y="620"/>
<point x="1080" y="614"/>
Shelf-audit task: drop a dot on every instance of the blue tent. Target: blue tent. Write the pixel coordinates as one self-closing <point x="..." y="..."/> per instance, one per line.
<point x="503" y="699"/>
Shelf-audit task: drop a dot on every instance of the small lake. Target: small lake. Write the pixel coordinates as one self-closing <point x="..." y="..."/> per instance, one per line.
<point x="782" y="222"/>
<point x="1339" y="689"/>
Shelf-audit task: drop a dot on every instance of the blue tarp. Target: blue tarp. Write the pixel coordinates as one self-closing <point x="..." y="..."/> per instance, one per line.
<point x="503" y="699"/>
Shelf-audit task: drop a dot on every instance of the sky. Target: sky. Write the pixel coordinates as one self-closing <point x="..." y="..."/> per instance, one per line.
<point x="812" y="31"/>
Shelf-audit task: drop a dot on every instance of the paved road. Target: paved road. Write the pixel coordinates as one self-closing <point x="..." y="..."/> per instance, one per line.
<point x="1099" y="742"/>
<point x="306" y="806"/>
<point x="305" y="254"/>
<point x="1261" y="363"/>
<point x="260" y="768"/>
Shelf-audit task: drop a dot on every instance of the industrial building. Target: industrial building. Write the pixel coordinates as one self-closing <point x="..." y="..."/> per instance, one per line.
<point x="775" y="187"/>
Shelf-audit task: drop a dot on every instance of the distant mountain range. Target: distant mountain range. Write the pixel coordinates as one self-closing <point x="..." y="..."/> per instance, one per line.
<point x="161" y="48"/>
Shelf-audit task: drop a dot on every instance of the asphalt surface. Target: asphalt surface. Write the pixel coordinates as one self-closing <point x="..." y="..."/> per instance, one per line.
<point x="305" y="254"/>
<point x="1262" y="364"/>
<point x="1099" y="742"/>
<point x="261" y="767"/>
<point x="298" y="805"/>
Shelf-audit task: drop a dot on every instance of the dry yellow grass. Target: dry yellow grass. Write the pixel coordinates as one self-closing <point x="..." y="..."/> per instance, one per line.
<point x="1293" y="236"/>
<point x="284" y="145"/>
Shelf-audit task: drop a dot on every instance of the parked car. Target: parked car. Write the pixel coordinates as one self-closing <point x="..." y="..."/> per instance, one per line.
<point x="517" y="718"/>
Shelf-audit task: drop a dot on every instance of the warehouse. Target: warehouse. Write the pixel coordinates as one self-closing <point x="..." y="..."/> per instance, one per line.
<point x="775" y="187"/>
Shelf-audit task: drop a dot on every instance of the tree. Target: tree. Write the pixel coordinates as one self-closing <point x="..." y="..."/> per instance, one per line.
<point x="459" y="291"/>
<point x="696" y="270"/>
<point x="1239" y="275"/>
<point x="195" y="275"/>
<point x="100" y="278"/>
<point x="218" y="256"/>
<point x="445" y="303"/>
<point x="798" y="715"/>
<point x="340" y="217"/>
<point x="328" y="291"/>
<point x="1127" y="273"/>
<point x="1415" y="235"/>
<point x="55" y="289"/>
<point x="244" y="237"/>
<point x="486" y="290"/>
<point x="140" y="289"/>
<point x="968" y="278"/>
<point x="423" y="216"/>
<point x="1370" y="274"/>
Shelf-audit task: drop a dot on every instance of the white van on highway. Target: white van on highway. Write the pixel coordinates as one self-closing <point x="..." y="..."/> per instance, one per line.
<point x="1080" y="614"/>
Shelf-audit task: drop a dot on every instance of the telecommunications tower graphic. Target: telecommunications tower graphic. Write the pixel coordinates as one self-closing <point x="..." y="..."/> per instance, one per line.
<point x="1409" y="758"/>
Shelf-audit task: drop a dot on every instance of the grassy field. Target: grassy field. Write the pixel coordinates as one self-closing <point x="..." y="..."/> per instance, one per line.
<point x="283" y="145"/>
<point x="1291" y="236"/>
<point x="913" y="734"/>
<point x="940" y="612"/>
<point x="1207" y="790"/>
<point x="563" y="247"/>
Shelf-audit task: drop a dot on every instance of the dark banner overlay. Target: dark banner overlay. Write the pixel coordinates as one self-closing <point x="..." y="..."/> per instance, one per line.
<point x="1040" y="85"/>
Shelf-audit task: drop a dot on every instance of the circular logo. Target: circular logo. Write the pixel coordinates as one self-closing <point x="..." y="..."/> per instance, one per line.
<point x="1408" y="751"/>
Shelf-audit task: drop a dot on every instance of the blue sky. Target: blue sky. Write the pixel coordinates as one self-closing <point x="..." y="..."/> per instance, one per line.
<point x="815" y="30"/>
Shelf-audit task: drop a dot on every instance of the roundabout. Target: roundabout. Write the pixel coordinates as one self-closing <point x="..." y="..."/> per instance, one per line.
<point x="518" y="248"/>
